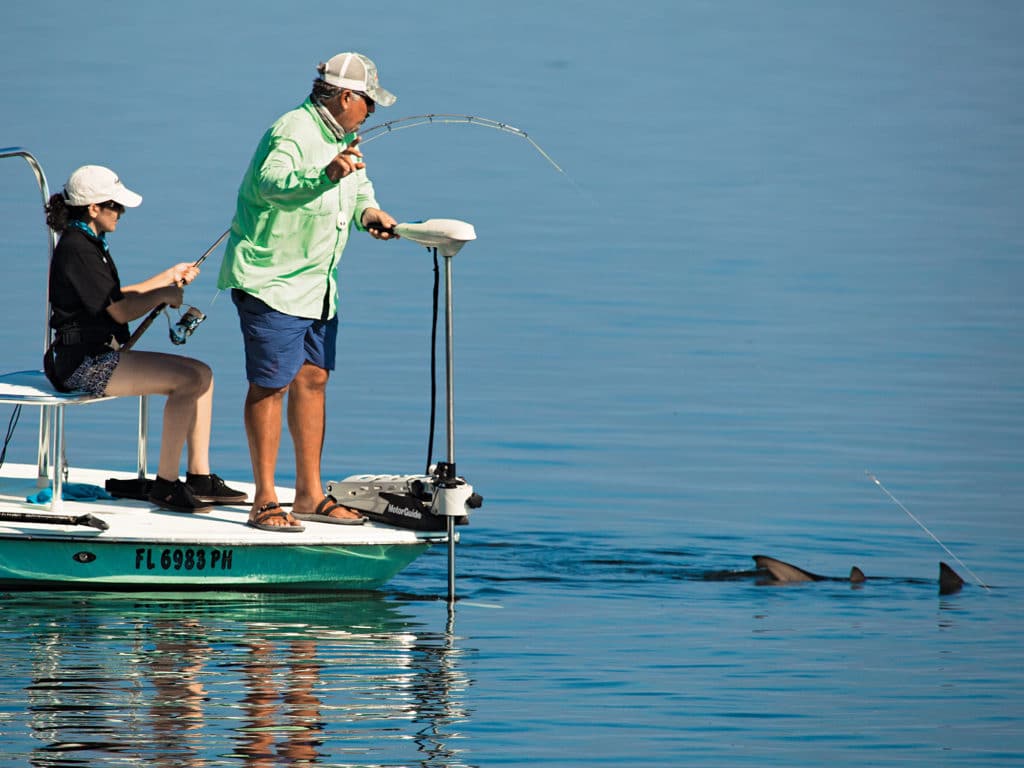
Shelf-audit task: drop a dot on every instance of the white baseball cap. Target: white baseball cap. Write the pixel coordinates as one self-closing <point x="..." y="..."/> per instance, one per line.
<point x="356" y="73"/>
<point x="96" y="184"/>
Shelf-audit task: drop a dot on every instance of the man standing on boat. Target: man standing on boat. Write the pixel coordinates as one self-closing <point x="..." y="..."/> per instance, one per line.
<point x="305" y="186"/>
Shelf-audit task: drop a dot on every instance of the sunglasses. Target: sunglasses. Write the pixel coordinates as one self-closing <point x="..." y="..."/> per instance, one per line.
<point x="114" y="206"/>
<point x="364" y="97"/>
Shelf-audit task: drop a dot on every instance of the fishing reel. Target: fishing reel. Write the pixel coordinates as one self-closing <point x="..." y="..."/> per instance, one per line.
<point x="186" y="325"/>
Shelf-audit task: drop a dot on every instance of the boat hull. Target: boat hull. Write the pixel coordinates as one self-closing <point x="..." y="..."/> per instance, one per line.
<point x="142" y="547"/>
<point x="156" y="565"/>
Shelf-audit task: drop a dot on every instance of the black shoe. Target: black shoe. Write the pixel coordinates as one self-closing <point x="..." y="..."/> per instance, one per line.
<point x="176" y="496"/>
<point x="212" y="488"/>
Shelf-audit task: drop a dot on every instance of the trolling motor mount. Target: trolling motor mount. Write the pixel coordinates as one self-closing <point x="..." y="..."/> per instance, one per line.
<point x="417" y="502"/>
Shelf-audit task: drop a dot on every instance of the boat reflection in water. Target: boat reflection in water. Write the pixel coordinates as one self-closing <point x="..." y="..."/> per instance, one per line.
<point x="257" y="680"/>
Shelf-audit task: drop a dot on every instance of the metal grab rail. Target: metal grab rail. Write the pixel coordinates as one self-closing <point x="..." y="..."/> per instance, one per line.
<point x="51" y="236"/>
<point x="42" y="468"/>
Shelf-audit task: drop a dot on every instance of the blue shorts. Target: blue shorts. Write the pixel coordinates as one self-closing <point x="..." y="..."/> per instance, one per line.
<point x="276" y="344"/>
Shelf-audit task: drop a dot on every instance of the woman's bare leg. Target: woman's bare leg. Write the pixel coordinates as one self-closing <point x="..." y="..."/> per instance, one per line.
<point x="188" y="385"/>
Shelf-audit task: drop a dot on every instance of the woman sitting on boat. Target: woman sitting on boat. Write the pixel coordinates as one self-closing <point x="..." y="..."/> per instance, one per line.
<point x="89" y="314"/>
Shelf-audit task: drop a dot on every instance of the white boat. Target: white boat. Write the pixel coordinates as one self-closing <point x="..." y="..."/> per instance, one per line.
<point x="126" y="543"/>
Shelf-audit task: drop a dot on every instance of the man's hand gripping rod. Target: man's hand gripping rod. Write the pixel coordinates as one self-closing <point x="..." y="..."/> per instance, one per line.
<point x="141" y="329"/>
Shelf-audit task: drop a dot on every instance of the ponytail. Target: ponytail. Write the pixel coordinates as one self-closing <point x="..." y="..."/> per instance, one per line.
<point x="59" y="214"/>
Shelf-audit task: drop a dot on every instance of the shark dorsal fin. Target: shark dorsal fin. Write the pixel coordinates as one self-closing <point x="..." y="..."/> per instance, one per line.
<point x="784" y="572"/>
<point x="857" y="576"/>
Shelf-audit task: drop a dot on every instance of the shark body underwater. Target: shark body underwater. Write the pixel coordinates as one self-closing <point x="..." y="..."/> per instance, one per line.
<point x="771" y="571"/>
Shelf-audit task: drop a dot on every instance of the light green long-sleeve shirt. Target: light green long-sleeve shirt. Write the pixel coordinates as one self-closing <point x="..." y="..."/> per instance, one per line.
<point x="292" y="222"/>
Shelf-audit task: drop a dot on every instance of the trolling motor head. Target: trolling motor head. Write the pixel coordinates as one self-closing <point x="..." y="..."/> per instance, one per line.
<point x="447" y="235"/>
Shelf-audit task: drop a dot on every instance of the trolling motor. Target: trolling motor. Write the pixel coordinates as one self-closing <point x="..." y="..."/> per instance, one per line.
<point x="447" y="235"/>
<point x="418" y="502"/>
<point x="440" y="499"/>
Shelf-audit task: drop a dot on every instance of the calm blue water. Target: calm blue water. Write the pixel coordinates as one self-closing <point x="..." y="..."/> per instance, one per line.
<point x="787" y="250"/>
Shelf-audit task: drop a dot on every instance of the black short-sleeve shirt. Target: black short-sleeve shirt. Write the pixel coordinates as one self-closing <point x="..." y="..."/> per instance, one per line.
<point x="83" y="283"/>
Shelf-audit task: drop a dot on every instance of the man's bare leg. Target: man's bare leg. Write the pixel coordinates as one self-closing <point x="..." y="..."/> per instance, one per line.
<point x="263" y="408"/>
<point x="307" y="417"/>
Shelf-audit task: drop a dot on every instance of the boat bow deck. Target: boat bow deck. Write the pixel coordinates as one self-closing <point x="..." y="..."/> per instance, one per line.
<point x="145" y="547"/>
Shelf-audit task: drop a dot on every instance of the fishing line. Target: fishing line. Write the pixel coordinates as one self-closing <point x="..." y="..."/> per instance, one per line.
<point x="885" y="490"/>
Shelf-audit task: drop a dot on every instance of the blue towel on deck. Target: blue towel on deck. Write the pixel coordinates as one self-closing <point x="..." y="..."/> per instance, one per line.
<point x="70" y="492"/>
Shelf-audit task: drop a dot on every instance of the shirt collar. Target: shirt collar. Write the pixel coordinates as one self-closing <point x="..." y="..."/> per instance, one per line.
<point x="101" y="239"/>
<point x="328" y="124"/>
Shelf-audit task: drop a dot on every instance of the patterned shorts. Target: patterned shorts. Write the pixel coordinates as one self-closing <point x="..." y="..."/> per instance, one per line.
<point x="94" y="373"/>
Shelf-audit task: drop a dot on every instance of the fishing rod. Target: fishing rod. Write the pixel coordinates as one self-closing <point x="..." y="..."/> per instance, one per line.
<point x="885" y="490"/>
<point x="400" y="124"/>
<point x="188" y="321"/>
<point x="30" y="517"/>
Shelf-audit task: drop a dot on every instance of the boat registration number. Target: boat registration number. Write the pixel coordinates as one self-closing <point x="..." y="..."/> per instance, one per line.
<point x="183" y="559"/>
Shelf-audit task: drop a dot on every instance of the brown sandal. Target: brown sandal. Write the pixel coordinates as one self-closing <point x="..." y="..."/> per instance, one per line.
<point x="270" y="511"/>
<point x="322" y="513"/>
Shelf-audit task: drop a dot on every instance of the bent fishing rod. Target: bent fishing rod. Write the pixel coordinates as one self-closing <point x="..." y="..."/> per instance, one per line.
<point x="144" y="325"/>
<point x="375" y="132"/>
<point x="400" y="124"/>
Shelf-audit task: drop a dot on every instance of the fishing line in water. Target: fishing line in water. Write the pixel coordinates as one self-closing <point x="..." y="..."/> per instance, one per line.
<point x="924" y="528"/>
